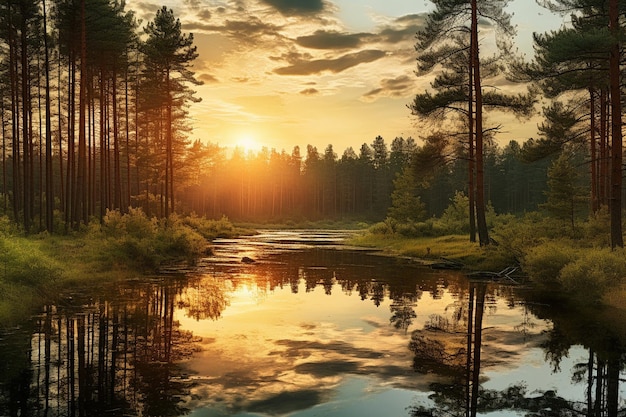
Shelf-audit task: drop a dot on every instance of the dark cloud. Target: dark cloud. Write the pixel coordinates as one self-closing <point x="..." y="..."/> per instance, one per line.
<point x="296" y="7"/>
<point x="309" y="92"/>
<point x="292" y="57"/>
<point x="194" y="4"/>
<point x="286" y="402"/>
<point x="393" y="87"/>
<point x="146" y="6"/>
<point x="333" y="65"/>
<point x="343" y="348"/>
<point x="207" y="78"/>
<point x="404" y="28"/>
<point x="373" y="93"/>
<point x="241" y="80"/>
<point x="252" y="26"/>
<point x="251" y="30"/>
<point x="327" y="368"/>
<point x="322" y="39"/>
<point x="204" y="14"/>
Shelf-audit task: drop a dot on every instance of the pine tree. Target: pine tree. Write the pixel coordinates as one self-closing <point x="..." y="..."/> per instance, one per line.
<point x="565" y="196"/>
<point x="168" y="55"/>
<point x="451" y="39"/>
<point x="406" y="205"/>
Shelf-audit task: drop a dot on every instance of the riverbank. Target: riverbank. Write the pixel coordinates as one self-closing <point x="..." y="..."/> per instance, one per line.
<point x="35" y="269"/>
<point x="583" y="269"/>
<point x="456" y="248"/>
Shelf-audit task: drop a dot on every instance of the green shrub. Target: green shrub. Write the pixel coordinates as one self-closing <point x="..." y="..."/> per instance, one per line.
<point x="593" y="272"/>
<point x="7" y="226"/>
<point x="134" y="224"/>
<point x="543" y="263"/>
<point x="175" y="239"/>
<point x="455" y="218"/>
<point x="135" y="239"/>
<point x="210" y="229"/>
<point x="387" y="227"/>
<point x="21" y="262"/>
<point x="428" y="228"/>
<point x="596" y="228"/>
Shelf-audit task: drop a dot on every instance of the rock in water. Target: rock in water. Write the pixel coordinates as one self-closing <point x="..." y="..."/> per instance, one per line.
<point x="247" y="260"/>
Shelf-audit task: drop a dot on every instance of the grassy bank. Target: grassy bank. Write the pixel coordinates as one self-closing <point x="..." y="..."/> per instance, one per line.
<point x="34" y="269"/>
<point x="574" y="262"/>
<point x="431" y="249"/>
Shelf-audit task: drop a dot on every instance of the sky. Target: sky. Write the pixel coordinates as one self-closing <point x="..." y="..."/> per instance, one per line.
<point x="281" y="73"/>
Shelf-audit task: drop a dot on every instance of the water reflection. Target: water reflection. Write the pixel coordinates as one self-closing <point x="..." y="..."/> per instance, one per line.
<point x="89" y="358"/>
<point x="312" y="331"/>
<point x="439" y="349"/>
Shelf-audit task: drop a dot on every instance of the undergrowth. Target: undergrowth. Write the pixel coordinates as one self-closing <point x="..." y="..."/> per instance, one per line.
<point x="33" y="269"/>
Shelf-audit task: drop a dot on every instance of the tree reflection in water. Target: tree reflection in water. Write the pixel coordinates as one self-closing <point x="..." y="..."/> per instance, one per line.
<point x="439" y="349"/>
<point x="101" y="357"/>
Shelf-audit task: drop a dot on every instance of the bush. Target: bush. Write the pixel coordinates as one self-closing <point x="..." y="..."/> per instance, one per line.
<point x="428" y="228"/>
<point x="135" y="224"/>
<point x="596" y="229"/>
<point x="594" y="272"/>
<point x="543" y="263"/>
<point x="210" y="229"/>
<point x="387" y="227"/>
<point x="7" y="226"/>
<point x="146" y="242"/>
<point x="455" y="218"/>
<point x="21" y="262"/>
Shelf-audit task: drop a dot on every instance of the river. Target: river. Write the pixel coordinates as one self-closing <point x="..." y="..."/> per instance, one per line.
<point x="312" y="327"/>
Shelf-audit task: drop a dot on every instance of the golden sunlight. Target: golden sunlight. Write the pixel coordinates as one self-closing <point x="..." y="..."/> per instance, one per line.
<point x="248" y="143"/>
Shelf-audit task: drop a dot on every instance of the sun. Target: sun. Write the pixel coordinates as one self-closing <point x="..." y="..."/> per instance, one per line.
<point x="248" y="143"/>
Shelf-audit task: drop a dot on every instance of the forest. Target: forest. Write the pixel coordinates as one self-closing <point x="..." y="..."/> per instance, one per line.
<point x="94" y="114"/>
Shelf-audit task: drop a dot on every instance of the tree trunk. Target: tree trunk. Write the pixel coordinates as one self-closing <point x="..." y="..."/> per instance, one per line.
<point x="470" y="143"/>
<point x="15" y="107"/>
<point x="25" y="88"/>
<point x="49" y="173"/>
<point x="79" y="212"/>
<point x="616" y="129"/>
<point x="117" y="176"/>
<point x="603" y="163"/>
<point x="592" y="144"/>
<point x="169" y="163"/>
<point x="483" y="234"/>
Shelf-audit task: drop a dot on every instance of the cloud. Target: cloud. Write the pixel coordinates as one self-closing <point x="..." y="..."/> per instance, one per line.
<point x="309" y="92"/>
<point x="392" y="87"/>
<point x="287" y="402"/>
<point x="322" y="39"/>
<point x="241" y="80"/>
<point x="239" y="29"/>
<point x="204" y="14"/>
<point x="403" y="28"/>
<point x="336" y="65"/>
<point x="296" y="7"/>
<point x="207" y="78"/>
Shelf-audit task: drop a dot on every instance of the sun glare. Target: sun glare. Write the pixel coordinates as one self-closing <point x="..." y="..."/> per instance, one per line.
<point x="248" y="143"/>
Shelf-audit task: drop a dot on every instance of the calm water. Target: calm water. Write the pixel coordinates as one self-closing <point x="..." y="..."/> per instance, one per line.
<point x="312" y="328"/>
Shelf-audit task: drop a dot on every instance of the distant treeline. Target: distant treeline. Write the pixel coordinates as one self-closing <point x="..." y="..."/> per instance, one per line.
<point x="278" y="186"/>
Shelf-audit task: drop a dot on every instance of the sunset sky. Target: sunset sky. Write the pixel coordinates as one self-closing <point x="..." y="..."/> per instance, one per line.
<point x="280" y="73"/>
